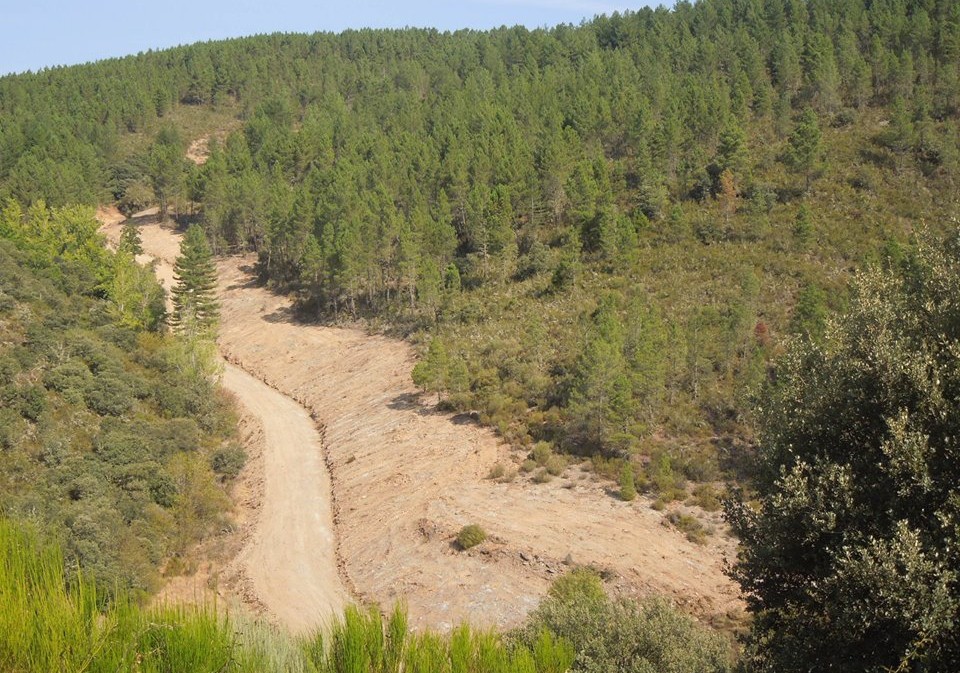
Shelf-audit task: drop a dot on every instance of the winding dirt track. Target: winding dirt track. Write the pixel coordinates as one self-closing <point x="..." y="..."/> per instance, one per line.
<point x="405" y="479"/>
<point x="289" y="561"/>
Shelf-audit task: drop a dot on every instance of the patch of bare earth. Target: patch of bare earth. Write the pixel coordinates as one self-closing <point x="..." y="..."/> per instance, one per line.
<point x="407" y="478"/>
<point x="199" y="150"/>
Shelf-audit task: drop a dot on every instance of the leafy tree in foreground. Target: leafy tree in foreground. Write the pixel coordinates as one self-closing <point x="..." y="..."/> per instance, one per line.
<point x="851" y="559"/>
<point x="196" y="310"/>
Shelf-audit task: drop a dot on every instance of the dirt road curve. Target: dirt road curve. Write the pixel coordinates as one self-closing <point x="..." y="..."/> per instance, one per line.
<point x="290" y="560"/>
<point x="406" y="479"/>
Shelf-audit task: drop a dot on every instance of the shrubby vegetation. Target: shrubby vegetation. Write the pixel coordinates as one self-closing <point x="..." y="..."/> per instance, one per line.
<point x="51" y="622"/>
<point x="470" y="536"/>
<point x="600" y="235"/>
<point x="110" y="438"/>
<point x="850" y="552"/>
<point x="621" y="635"/>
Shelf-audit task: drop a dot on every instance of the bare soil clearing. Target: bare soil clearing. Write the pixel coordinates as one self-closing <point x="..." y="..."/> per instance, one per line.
<point x="406" y="479"/>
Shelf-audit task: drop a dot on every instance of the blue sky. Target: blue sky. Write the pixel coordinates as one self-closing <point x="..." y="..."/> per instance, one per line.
<point x="39" y="33"/>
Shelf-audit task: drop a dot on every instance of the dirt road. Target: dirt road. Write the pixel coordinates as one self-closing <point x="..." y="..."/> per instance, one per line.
<point x="406" y="479"/>
<point x="291" y="558"/>
<point x="289" y="562"/>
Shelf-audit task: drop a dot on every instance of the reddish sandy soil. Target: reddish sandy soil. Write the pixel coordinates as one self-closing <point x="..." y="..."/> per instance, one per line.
<point x="406" y="478"/>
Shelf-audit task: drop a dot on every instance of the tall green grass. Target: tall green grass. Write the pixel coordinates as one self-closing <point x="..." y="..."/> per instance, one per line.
<point x="51" y="623"/>
<point x="363" y="643"/>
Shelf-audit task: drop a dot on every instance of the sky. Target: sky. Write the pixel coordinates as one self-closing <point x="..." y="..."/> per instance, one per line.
<point x="35" y="34"/>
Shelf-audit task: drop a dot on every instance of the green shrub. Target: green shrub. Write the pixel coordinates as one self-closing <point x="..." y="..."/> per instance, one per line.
<point x="470" y="536"/>
<point x="528" y="465"/>
<point x="542" y="451"/>
<point x="498" y="471"/>
<point x="707" y="497"/>
<point x="689" y="525"/>
<point x="227" y="462"/>
<point x="542" y="476"/>
<point x="555" y="465"/>
<point x="71" y="379"/>
<point x="32" y="402"/>
<point x="623" y="635"/>
<point x="628" y="490"/>
<point x="109" y="396"/>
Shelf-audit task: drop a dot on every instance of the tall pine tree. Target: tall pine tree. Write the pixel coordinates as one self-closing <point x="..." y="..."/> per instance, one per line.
<point x="196" y="310"/>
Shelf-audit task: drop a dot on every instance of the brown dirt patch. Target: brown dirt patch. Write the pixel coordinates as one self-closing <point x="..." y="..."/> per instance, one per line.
<point x="401" y="469"/>
<point x="406" y="478"/>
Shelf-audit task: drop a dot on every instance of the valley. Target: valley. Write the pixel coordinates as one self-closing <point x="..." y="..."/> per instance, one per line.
<point x="405" y="478"/>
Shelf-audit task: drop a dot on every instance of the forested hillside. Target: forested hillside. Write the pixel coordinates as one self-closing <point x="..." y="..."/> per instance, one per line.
<point x="622" y="240"/>
<point x="603" y="232"/>
<point x="109" y="430"/>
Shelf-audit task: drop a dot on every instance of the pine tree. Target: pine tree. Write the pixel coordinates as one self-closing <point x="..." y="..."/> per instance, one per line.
<point x="804" y="152"/>
<point x="431" y="373"/>
<point x="130" y="241"/>
<point x="196" y="310"/>
<point x="628" y="489"/>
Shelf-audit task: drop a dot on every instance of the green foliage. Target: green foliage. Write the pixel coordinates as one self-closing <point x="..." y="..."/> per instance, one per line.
<point x="196" y="309"/>
<point x="628" y="489"/>
<point x="49" y="622"/>
<point x="810" y="313"/>
<point x="432" y="372"/>
<point x="621" y="635"/>
<point x="130" y="241"/>
<point x="167" y="167"/>
<point x="91" y="450"/>
<point x="804" y="153"/>
<point x="227" y="462"/>
<point x="849" y="558"/>
<point x="470" y="536"/>
<point x="498" y="200"/>
<point x="362" y="642"/>
<point x="688" y="525"/>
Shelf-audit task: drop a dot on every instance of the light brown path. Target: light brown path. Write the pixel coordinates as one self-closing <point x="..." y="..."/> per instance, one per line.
<point x="290" y="561"/>
<point x="291" y="558"/>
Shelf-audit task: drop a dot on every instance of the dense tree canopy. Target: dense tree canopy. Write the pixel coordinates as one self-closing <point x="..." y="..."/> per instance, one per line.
<point x="107" y="433"/>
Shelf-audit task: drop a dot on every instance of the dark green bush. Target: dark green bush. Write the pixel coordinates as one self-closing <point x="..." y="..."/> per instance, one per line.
<point x="32" y="402"/>
<point x="623" y="635"/>
<point x="228" y="461"/>
<point x="109" y="395"/>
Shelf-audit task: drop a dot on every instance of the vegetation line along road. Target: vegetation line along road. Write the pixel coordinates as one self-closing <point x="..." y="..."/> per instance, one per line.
<point x="290" y="559"/>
